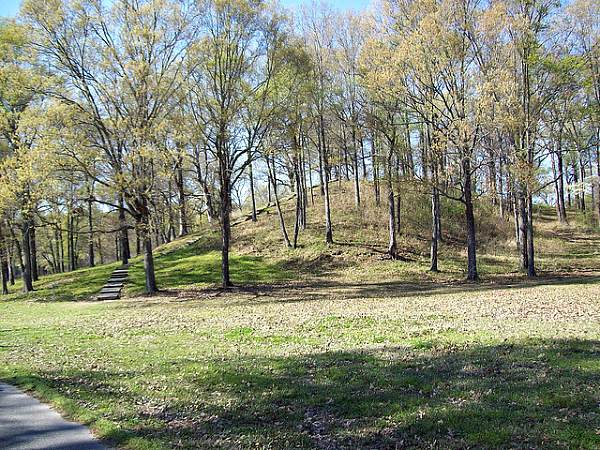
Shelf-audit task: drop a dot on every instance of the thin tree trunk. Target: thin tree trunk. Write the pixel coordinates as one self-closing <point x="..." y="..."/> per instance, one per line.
<point x="355" y="168"/>
<point x="531" y="272"/>
<point x="582" y="169"/>
<point x="374" y="163"/>
<point x="302" y="181"/>
<point x="91" y="256"/>
<point x="225" y="212"/>
<point x="183" y="219"/>
<point x="435" y="211"/>
<point x="62" y="249"/>
<point x="298" y="209"/>
<point x="321" y="171"/>
<point x="523" y="219"/>
<point x="561" y="183"/>
<point x="392" y="246"/>
<point x="598" y="176"/>
<point x="34" y="264"/>
<point x="252" y="193"/>
<point x="123" y="235"/>
<point x="26" y="249"/>
<point x="472" y="274"/>
<point x="398" y="211"/>
<point x="273" y="181"/>
<point x="151" y="287"/>
<point x="435" y="198"/>
<point x="4" y="262"/>
<point x="71" y="239"/>
<point x="328" y="225"/>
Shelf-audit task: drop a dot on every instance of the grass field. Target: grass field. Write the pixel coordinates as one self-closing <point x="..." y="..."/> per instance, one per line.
<point x="331" y="348"/>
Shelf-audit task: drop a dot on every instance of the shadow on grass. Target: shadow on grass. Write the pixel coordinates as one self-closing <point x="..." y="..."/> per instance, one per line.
<point x="319" y="290"/>
<point x="542" y="394"/>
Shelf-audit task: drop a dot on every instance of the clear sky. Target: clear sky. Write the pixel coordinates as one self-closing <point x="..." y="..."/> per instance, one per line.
<point x="10" y="7"/>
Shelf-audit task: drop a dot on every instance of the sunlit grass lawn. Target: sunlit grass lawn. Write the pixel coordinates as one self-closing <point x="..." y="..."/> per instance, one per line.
<point x="315" y="368"/>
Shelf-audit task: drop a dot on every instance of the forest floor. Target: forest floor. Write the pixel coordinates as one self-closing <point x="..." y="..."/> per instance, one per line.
<point x="324" y="347"/>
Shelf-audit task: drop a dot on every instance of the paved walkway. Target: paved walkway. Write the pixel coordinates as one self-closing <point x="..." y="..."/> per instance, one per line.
<point x="27" y="424"/>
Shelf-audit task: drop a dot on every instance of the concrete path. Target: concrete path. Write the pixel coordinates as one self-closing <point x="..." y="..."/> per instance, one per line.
<point x="27" y="424"/>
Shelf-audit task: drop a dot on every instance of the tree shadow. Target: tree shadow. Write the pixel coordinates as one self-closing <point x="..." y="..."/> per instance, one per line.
<point x="532" y="394"/>
<point x="322" y="289"/>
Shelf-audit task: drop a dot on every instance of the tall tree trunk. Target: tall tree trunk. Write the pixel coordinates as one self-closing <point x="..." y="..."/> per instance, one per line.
<point x="184" y="228"/>
<point x="472" y="274"/>
<point x="151" y="287"/>
<point x="398" y="210"/>
<point x="363" y="159"/>
<point x="4" y="261"/>
<point x="91" y="255"/>
<point x="328" y="225"/>
<point x="598" y="175"/>
<point x="61" y="249"/>
<point x="123" y="234"/>
<point x="503" y="198"/>
<point x="523" y="219"/>
<point x="252" y="193"/>
<point x="273" y="180"/>
<point x="355" y="169"/>
<point x="26" y="249"/>
<point x="310" y="178"/>
<point x="392" y="245"/>
<point x="374" y="163"/>
<point x="302" y="181"/>
<point x="35" y="276"/>
<point x="582" y="169"/>
<point x="576" y="182"/>
<point x="225" y="212"/>
<point x="71" y="248"/>
<point x="11" y="267"/>
<point x="530" y="247"/>
<point x="435" y="211"/>
<point x="557" y="168"/>
<point x="299" y="202"/>
<point x="561" y="184"/>
<point x="321" y="171"/>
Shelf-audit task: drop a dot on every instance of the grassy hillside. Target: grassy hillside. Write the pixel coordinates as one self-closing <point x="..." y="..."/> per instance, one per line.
<point x="259" y="256"/>
<point x="359" y="252"/>
<point x="326" y="347"/>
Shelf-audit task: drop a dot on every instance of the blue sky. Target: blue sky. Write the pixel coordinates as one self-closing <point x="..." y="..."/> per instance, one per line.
<point x="10" y="7"/>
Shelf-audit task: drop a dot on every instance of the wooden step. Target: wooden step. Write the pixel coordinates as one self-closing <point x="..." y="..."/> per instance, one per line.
<point x="109" y="296"/>
<point x="110" y="290"/>
<point x="119" y="275"/>
<point x="114" y="286"/>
